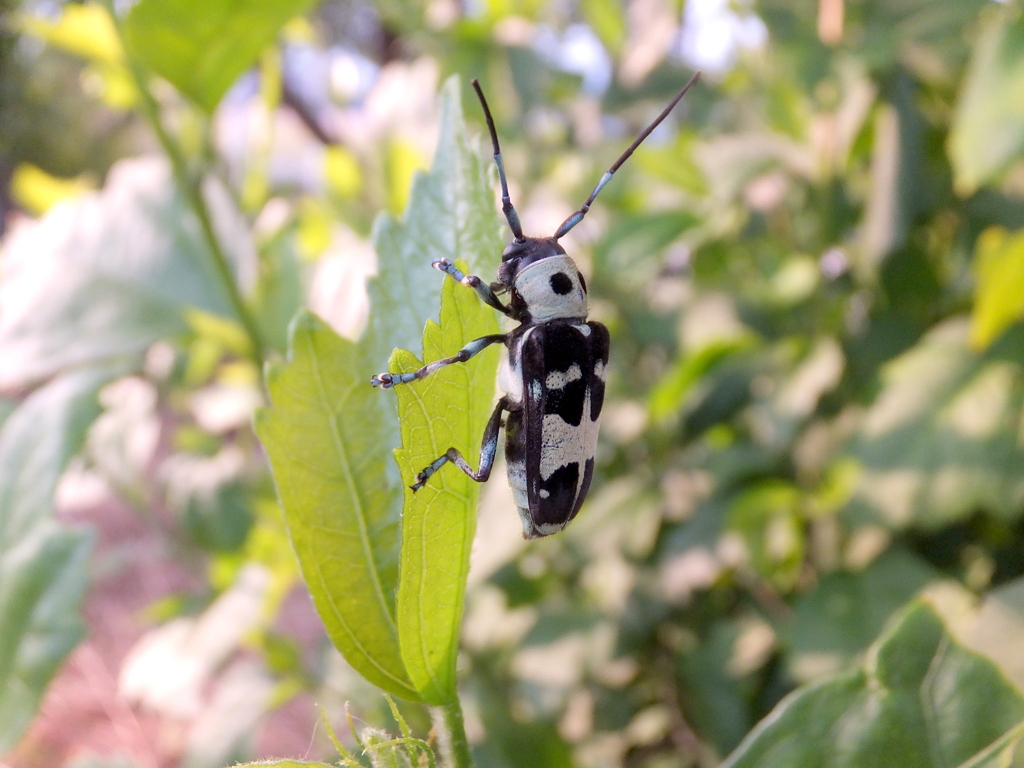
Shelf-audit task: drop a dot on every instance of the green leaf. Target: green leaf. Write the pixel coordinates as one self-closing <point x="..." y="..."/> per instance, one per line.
<point x="43" y="565"/>
<point x="106" y="275"/>
<point x="987" y="134"/>
<point x="322" y="437"/>
<point x="999" y="285"/>
<point x="203" y="47"/>
<point x="451" y="215"/>
<point x="921" y="700"/>
<point x="837" y="620"/>
<point x="449" y="408"/>
<point x="944" y="437"/>
<point x="329" y="433"/>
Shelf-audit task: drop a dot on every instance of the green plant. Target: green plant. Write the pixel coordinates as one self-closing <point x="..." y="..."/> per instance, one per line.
<point x="395" y="611"/>
<point x="812" y="278"/>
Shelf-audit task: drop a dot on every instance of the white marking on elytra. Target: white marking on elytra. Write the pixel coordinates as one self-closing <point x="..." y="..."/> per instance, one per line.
<point x="599" y="370"/>
<point x="561" y="379"/>
<point x="546" y="529"/>
<point x="544" y="494"/>
<point x="562" y="444"/>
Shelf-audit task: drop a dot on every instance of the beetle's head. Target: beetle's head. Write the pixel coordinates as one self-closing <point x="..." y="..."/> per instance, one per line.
<point x="519" y="254"/>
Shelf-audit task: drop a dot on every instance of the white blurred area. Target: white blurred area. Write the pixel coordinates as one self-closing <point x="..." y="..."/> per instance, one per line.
<point x="715" y="32"/>
<point x="170" y="668"/>
<point x="338" y="289"/>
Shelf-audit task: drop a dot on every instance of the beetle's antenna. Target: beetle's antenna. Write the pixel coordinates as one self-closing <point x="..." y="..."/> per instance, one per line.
<point x="506" y="202"/>
<point x="577" y="217"/>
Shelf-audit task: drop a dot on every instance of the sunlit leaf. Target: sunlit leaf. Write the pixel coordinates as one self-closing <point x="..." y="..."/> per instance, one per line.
<point x="988" y="129"/>
<point x="451" y="214"/>
<point x="999" y="285"/>
<point x="105" y="275"/>
<point x="202" y="47"/>
<point x="920" y="700"/>
<point x="43" y="565"/>
<point x="329" y="434"/>
<point x="944" y="436"/>
<point x="322" y="436"/>
<point x="450" y="408"/>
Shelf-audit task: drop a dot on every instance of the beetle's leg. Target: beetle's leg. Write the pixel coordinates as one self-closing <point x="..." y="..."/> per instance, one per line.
<point x="488" y="447"/>
<point x="483" y="290"/>
<point x="388" y="380"/>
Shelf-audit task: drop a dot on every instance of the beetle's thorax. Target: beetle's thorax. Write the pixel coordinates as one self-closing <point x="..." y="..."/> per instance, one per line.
<point x="543" y="281"/>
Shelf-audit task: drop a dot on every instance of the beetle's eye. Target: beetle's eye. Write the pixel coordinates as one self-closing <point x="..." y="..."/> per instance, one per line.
<point x="561" y="283"/>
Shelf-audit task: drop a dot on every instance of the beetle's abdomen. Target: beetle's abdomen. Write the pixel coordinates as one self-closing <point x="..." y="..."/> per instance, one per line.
<point x="563" y="373"/>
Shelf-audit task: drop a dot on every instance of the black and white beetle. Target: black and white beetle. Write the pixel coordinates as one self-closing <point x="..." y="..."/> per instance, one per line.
<point x="555" y="373"/>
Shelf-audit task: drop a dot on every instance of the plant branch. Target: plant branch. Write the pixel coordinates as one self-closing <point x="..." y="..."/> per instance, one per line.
<point x="190" y="188"/>
<point x="452" y="735"/>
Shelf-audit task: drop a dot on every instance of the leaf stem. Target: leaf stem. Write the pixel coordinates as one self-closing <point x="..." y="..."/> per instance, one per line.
<point x="190" y="188"/>
<point x="452" y="732"/>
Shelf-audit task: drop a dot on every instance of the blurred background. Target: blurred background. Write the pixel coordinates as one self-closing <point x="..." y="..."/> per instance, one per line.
<point x="813" y="273"/>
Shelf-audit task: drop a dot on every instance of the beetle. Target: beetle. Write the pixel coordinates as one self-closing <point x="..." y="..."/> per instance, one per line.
<point x="554" y="374"/>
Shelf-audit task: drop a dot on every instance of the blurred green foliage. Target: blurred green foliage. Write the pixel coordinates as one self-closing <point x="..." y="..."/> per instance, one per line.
<point x="812" y="275"/>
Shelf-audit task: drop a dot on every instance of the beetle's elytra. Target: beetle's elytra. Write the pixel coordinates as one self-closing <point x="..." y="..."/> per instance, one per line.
<point x="554" y="377"/>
